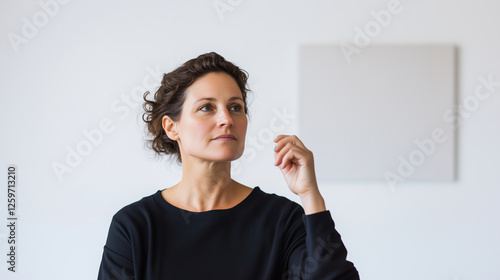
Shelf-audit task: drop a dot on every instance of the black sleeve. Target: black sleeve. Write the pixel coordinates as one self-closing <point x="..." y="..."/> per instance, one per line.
<point x="116" y="263"/>
<point x="314" y="249"/>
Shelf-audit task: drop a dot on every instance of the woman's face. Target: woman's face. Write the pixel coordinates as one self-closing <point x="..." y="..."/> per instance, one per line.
<point x="213" y="121"/>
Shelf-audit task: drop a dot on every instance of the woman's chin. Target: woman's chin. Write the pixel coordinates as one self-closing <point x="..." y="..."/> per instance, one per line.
<point x="229" y="156"/>
<point x="215" y="155"/>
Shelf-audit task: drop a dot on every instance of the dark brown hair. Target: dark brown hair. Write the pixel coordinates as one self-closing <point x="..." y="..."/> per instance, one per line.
<point x="169" y="98"/>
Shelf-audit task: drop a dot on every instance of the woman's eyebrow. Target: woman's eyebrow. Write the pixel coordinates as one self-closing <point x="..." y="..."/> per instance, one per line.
<point x="214" y="99"/>
<point x="235" y="98"/>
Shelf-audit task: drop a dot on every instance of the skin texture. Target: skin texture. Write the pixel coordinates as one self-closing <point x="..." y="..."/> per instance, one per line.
<point x="213" y="108"/>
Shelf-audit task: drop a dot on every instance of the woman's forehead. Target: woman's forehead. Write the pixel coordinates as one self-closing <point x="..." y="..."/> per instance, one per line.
<point x="215" y="86"/>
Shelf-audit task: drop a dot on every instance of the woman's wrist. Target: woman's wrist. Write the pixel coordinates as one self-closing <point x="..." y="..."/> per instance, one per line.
<point x="312" y="202"/>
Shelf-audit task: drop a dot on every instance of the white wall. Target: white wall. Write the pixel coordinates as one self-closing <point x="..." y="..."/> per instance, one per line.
<point x="66" y="77"/>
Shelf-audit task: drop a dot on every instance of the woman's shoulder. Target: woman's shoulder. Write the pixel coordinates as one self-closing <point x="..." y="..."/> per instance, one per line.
<point x="276" y="202"/>
<point x="138" y="209"/>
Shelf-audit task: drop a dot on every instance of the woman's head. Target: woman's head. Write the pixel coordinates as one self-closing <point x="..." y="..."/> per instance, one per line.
<point x="169" y="100"/>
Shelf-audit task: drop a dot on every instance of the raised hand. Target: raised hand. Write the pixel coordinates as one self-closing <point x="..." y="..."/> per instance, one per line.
<point x="296" y="163"/>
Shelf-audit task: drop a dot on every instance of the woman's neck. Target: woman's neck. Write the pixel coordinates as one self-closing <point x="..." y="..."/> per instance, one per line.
<point x="206" y="186"/>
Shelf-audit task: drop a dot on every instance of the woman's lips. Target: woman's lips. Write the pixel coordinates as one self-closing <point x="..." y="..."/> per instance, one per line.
<point x="225" y="137"/>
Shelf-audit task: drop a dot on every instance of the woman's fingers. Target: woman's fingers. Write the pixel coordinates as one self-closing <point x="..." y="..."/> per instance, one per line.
<point x="288" y="149"/>
<point x="289" y="158"/>
<point x="282" y="140"/>
<point x="279" y="137"/>
<point x="281" y="153"/>
<point x="296" y="162"/>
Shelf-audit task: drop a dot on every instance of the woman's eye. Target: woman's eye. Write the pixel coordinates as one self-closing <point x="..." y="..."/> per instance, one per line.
<point x="236" y="108"/>
<point x="205" y="108"/>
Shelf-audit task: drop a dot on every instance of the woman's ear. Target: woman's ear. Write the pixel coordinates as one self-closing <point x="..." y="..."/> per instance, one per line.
<point x="170" y="127"/>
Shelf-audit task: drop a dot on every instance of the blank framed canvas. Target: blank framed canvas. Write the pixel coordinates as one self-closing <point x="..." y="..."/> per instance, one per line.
<point x="385" y="115"/>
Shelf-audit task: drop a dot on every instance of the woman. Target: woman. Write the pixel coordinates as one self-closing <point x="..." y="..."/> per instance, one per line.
<point x="209" y="226"/>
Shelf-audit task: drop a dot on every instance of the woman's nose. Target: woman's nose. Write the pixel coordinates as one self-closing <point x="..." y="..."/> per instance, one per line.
<point x="224" y="118"/>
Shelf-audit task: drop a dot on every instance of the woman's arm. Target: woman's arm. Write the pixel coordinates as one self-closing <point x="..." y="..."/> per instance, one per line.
<point x="314" y="249"/>
<point x="116" y="260"/>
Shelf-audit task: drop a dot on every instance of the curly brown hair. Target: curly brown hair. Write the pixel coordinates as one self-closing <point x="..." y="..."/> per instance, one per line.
<point x="170" y="96"/>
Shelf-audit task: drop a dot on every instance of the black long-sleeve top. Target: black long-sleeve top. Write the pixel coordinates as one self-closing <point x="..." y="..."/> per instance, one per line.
<point x="265" y="236"/>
